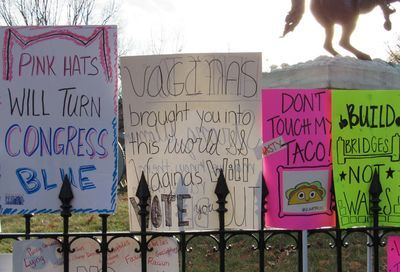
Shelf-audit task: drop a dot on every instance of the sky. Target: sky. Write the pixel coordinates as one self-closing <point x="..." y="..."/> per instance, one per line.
<point x="208" y="26"/>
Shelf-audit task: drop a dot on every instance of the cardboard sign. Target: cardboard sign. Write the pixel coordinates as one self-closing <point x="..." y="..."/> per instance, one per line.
<point x="41" y="255"/>
<point x="186" y="117"/>
<point x="366" y="139"/>
<point x="296" y="131"/>
<point x="393" y="254"/>
<point x="59" y="116"/>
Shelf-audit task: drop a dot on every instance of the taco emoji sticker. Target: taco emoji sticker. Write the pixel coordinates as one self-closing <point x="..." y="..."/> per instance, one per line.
<point x="305" y="192"/>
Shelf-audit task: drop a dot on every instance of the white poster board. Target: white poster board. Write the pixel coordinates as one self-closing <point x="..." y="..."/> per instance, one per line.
<point x="5" y="262"/>
<point x="41" y="255"/>
<point x="164" y="256"/>
<point x="185" y="117"/>
<point x="37" y="255"/>
<point x="59" y="116"/>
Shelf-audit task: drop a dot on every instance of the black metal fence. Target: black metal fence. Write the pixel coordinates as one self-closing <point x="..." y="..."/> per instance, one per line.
<point x="222" y="237"/>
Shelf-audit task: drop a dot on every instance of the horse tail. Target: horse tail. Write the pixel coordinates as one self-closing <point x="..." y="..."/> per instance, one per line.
<point x="294" y="16"/>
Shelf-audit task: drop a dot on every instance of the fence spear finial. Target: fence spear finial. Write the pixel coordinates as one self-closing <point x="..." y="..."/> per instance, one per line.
<point x="143" y="192"/>
<point x="221" y="190"/>
<point x="375" y="188"/>
<point x="66" y="194"/>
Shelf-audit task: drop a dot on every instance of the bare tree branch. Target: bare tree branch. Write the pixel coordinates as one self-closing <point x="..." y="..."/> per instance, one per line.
<point x="6" y="13"/>
<point x="394" y="54"/>
<point x="51" y="12"/>
<point x="109" y="11"/>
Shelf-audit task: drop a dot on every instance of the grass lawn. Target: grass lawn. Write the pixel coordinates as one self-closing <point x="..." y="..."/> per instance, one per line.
<point x="241" y="257"/>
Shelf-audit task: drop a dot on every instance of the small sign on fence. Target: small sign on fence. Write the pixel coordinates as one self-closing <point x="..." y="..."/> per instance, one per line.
<point x="187" y="116"/>
<point x="41" y="255"/>
<point x="296" y="130"/>
<point x="366" y="140"/>
<point x="393" y="254"/>
<point x="59" y="117"/>
<point x="38" y="254"/>
<point x="5" y="262"/>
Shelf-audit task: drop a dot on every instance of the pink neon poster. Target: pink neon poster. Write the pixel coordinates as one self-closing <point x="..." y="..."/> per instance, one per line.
<point x="297" y="165"/>
<point x="393" y="254"/>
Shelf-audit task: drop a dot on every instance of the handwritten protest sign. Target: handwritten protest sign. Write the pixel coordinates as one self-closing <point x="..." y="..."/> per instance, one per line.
<point x="34" y="255"/>
<point x="296" y="131"/>
<point x="187" y="116"/>
<point x="58" y="108"/>
<point x="366" y="139"/>
<point x="164" y="256"/>
<point x="393" y="254"/>
<point x="41" y="255"/>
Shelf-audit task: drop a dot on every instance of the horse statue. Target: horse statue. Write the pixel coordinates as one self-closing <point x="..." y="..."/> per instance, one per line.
<point x="342" y="12"/>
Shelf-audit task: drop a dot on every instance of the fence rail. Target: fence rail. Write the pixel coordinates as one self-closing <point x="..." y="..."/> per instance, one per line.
<point x="261" y="238"/>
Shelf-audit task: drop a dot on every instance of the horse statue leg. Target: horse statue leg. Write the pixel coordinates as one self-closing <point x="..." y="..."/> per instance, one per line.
<point x="317" y="10"/>
<point x="348" y="29"/>
<point x="328" y="40"/>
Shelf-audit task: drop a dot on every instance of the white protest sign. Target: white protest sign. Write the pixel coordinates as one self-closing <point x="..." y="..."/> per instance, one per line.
<point x="37" y="255"/>
<point x="59" y="116"/>
<point x="41" y="255"/>
<point x="164" y="256"/>
<point x="5" y="262"/>
<point x="185" y="117"/>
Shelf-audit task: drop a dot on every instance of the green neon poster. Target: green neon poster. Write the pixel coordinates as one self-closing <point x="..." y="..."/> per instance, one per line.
<point x="365" y="139"/>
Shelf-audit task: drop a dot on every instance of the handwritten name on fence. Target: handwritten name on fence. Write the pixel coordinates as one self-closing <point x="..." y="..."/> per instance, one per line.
<point x="42" y="255"/>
